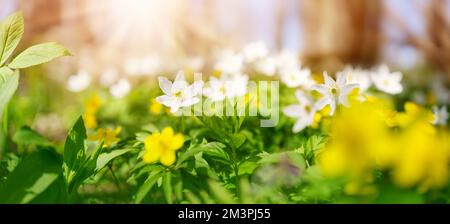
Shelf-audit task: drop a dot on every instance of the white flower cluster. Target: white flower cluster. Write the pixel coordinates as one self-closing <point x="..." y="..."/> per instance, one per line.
<point x="336" y="92"/>
<point x="180" y="93"/>
<point x="118" y="78"/>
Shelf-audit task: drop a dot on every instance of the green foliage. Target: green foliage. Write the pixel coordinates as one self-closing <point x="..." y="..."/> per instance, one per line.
<point x="26" y="136"/>
<point x="38" y="54"/>
<point x="31" y="177"/>
<point x="11" y="31"/>
<point x="9" y="80"/>
<point x="74" y="150"/>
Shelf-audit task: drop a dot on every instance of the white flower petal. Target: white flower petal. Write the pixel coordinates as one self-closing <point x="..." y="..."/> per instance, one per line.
<point x="299" y="126"/>
<point x="293" y="110"/>
<point x="322" y="103"/>
<point x="321" y="88"/>
<point x="165" y="85"/>
<point x="327" y="79"/>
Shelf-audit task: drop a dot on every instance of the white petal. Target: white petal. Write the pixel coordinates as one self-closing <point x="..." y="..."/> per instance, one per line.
<point x="165" y="85"/>
<point x="174" y="108"/>
<point x="299" y="125"/>
<point x="328" y="80"/>
<point x="348" y="88"/>
<point x="332" y="106"/>
<point x="293" y="110"/>
<point x="300" y="95"/>
<point x="190" y="101"/>
<point x="341" y="79"/>
<point x="322" y="103"/>
<point x="179" y="77"/>
<point x="197" y="87"/>
<point x="165" y="100"/>
<point x="321" y="88"/>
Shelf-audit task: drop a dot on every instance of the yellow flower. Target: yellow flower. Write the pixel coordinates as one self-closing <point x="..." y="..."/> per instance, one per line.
<point x="155" y="107"/>
<point x="416" y="154"/>
<point x="162" y="146"/>
<point x="413" y="113"/>
<point x="91" y="107"/>
<point x="108" y="136"/>
<point x="423" y="157"/>
<point x="90" y="121"/>
<point x="356" y="134"/>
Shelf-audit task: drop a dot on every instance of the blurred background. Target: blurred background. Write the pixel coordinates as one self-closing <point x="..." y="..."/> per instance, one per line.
<point x="156" y="35"/>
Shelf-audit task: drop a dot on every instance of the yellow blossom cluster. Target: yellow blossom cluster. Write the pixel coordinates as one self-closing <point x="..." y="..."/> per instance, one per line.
<point x="373" y="136"/>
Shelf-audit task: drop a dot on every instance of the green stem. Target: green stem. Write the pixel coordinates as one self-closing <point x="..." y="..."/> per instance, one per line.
<point x="116" y="180"/>
<point x="182" y="124"/>
<point x="235" y="168"/>
<point x="4" y="132"/>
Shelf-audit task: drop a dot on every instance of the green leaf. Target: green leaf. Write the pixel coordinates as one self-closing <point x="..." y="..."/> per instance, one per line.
<point x="147" y="186"/>
<point x="86" y="169"/>
<point x="212" y="148"/>
<point x="167" y="187"/>
<point x="105" y="158"/>
<point x="9" y="80"/>
<point x="25" y="135"/>
<point x="237" y="140"/>
<point x="11" y="31"/>
<point x="38" y="54"/>
<point x="74" y="149"/>
<point x="31" y="177"/>
<point x="247" y="167"/>
<point x="56" y="193"/>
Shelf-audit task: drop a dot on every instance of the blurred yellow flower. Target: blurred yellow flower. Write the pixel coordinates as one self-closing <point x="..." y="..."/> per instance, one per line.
<point x="155" y="107"/>
<point x="413" y="113"/>
<point x="91" y="107"/>
<point x="362" y="140"/>
<point x="423" y="157"/>
<point x="162" y="146"/>
<point x="90" y="121"/>
<point x="108" y="136"/>
<point x="355" y="134"/>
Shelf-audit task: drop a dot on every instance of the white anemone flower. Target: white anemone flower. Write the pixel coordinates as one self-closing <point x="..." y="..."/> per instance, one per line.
<point x="227" y="86"/>
<point x="386" y="81"/>
<point x="334" y="92"/>
<point x="79" y="81"/>
<point x="358" y="76"/>
<point x="120" y="89"/>
<point x="109" y="76"/>
<point x="297" y="78"/>
<point x="236" y="84"/>
<point x="287" y="60"/>
<point x="229" y="62"/>
<point x="215" y="90"/>
<point x="179" y="93"/>
<point x="266" y="66"/>
<point x="255" y="51"/>
<point x="304" y="111"/>
<point x="440" y="115"/>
